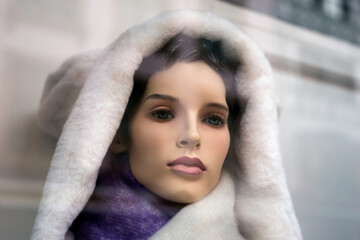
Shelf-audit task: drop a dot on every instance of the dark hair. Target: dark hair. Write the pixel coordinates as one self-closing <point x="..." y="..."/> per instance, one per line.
<point x="182" y="48"/>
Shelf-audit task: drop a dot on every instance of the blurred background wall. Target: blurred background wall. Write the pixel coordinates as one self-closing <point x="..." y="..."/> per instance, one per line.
<point x="312" y="45"/>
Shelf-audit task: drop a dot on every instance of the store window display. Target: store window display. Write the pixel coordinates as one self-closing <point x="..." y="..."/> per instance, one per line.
<point x="170" y="132"/>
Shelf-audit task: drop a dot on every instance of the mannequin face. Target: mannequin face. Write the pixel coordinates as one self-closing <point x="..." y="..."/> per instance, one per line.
<point x="179" y="134"/>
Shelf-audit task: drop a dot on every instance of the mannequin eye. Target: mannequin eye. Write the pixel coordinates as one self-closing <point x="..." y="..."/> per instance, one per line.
<point x="215" y="120"/>
<point x="162" y="114"/>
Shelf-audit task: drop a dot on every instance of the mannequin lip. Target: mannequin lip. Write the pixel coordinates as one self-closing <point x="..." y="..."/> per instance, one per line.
<point x="187" y="165"/>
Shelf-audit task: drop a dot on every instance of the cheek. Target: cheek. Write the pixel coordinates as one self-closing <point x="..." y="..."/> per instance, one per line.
<point x="148" y="137"/>
<point x="217" y="146"/>
<point x="219" y="141"/>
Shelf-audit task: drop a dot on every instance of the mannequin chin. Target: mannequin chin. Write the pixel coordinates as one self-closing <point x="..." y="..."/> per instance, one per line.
<point x="179" y="133"/>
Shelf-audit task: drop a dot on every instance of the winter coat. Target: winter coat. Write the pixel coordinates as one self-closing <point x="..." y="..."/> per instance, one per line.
<point x="83" y="103"/>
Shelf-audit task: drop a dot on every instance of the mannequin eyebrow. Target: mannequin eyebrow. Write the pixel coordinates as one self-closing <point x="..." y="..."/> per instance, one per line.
<point x="162" y="96"/>
<point x="174" y="99"/>
<point x="218" y="105"/>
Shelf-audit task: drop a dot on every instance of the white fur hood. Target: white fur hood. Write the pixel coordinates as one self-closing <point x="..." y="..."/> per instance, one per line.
<point x="83" y="103"/>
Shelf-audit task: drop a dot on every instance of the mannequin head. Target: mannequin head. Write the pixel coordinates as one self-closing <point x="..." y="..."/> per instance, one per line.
<point x="178" y="121"/>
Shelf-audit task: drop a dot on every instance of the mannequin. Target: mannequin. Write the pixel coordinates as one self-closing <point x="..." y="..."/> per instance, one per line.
<point x="173" y="89"/>
<point x="175" y="133"/>
<point x="189" y="136"/>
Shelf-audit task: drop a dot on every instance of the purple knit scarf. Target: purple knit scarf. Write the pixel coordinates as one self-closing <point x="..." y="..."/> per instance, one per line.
<point x="120" y="207"/>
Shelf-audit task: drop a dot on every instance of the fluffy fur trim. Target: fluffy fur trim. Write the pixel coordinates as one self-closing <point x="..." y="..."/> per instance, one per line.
<point x="83" y="103"/>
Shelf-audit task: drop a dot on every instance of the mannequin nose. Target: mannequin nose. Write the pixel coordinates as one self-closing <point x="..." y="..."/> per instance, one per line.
<point x="189" y="135"/>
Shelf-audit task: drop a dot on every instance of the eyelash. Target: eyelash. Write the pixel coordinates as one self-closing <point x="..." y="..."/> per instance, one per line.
<point x="158" y="114"/>
<point x="167" y="115"/>
<point x="221" y="121"/>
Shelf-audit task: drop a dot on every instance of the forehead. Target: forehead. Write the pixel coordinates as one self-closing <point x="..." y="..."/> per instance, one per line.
<point x="194" y="79"/>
